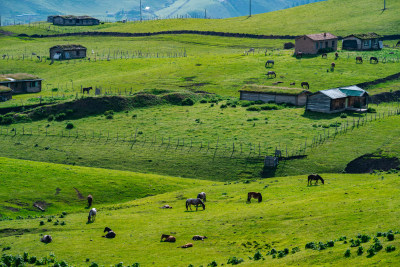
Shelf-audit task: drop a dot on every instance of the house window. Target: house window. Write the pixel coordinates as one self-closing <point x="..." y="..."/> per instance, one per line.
<point x="366" y="42"/>
<point x="320" y="44"/>
<point x="375" y="41"/>
<point x="316" y="45"/>
<point x="34" y="84"/>
<point x="333" y="43"/>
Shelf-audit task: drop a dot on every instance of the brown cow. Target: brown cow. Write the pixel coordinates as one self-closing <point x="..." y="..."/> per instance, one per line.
<point x="168" y="238"/>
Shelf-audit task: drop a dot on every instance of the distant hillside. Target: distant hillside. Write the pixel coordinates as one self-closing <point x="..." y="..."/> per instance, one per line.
<point x="24" y="11"/>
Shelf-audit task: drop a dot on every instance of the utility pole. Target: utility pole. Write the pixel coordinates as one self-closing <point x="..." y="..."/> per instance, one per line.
<point x="249" y="8"/>
<point x="140" y="1"/>
<point x="384" y="5"/>
<point x="205" y="13"/>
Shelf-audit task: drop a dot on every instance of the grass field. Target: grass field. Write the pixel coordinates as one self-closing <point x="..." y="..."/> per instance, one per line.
<point x="336" y="16"/>
<point x="291" y="215"/>
<point x="213" y="64"/>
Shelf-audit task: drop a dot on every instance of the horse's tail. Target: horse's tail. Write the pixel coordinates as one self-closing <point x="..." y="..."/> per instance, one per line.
<point x="248" y="197"/>
<point x="187" y="204"/>
<point x="260" y="198"/>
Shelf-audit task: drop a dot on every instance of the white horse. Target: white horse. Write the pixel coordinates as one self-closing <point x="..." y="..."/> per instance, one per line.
<point x="92" y="215"/>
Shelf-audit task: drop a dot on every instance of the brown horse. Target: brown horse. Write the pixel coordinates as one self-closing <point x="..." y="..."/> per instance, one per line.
<point x="168" y="238"/>
<point x="314" y="177"/>
<point x="305" y="84"/>
<point x="270" y="74"/>
<point x="375" y="59"/>
<point x="324" y="55"/>
<point x="359" y="60"/>
<point x="255" y="195"/>
<point x="87" y="89"/>
<point x="333" y="65"/>
<point x="90" y="200"/>
<point x="336" y="55"/>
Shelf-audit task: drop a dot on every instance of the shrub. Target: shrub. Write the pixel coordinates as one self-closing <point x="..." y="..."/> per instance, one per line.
<point x="49" y="219"/>
<point x="69" y="126"/>
<point x="246" y="103"/>
<point x="371" y="110"/>
<point x="64" y="213"/>
<point x="134" y="116"/>
<point x="233" y="260"/>
<point x="288" y="45"/>
<point x="311" y="245"/>
<point x="347" y="253"/>
<point x="213" y="264"/>
<point x="342" y="238"/>
<point x="258" y="102"/>
<point x="321" y="246"/>
<point x="257" y="256"/>
<point x="355" y="243"/>
<point x="41" y="223"/>
<point x="270" y="107"/>
<point x="203" y="101"/>
<point x="330" y="244"/>
<point x="136" y="264"/>
<point x="109" y="117"/>
<point x="253" y="108"/>
<point x="62" y="223"/>
<point x="364" y="238"/>
<point x="286" y="251"/>
<point x="343" y="115"/>
<point x="60" y="117"/>
<point x="360" y="250"/>
<point x="390" y="248"/>
<point x="223" y="106"/>
<point x="187" y="102"/>
<point x="281" y="254"/>
<point x="295" y="249"/>
<point x="93" y="264"/>
<point x="390" y="236"/>
<point x="273" y="251"/>
<point x="26" y="256"/>
<point x="6" y="120"/>
<point x="32" y="260"/>
<point x="50" y="118"/>
<point x="6" y="248"/>
<point x="371" y="252"/>
<point x="121" y="264"/>
<point x="109" y="112"/>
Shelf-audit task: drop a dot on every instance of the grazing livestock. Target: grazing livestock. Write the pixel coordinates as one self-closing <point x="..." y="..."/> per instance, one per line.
<point x="168" y="238"/>
<point x="299" y="55"/>
<point x="324" y="55"/>
<point x="314" y="177"/>
<point x="375" y="59"/>
<point x="188" y="245"/>
<point x="336" y="55"/>
<point x="92" y="215"/>
<point x="198" y="237"/>
<point x="110" y="233"/>
<point x="87" y="89"/>
<point x="333" y="65"/>
<point x="359" y="60"/>
<point x="293" y="83"/>
<point x="271" y="73"/>
<point x="90" y="200"/>
<point x="305" y="84"/>
<point x="255" y="195"/>
<point x="166" y="207"/>
<point x="46" y="239"/>
<point x="269" y="63"/>
<point x="202" y="196"/>
<point x="194" y="201"/>
<point x="249" y="51"/>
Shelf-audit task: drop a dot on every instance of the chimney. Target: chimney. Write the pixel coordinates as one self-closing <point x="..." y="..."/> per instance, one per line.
<point x="324" y="34"/>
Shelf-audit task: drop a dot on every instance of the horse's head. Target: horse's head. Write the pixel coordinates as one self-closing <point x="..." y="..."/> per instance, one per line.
<point x="259" y="197"/>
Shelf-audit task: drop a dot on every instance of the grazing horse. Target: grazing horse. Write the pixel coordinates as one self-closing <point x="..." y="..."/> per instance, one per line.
<point x="359" y="60"/>
<point x="269" y="63"/>
<point x="194" y="201"/>
<point x="299" y="55"/>
<point x="90" y="200"/>
<point x="336" y="55"/>
<point x="305" y="84"/>
<point x="375" y="59"/>
<point x="188" y="245"/>
<point x="110" y="233"/>
<point x="198" y="237"/>
<point x="92" y="215"/>
<point x="314" y="177"/>
<point x="87" y="89"/>
<point x="270" y="74"/>
<point x="202" y="196"/>
<point x="168" y="238"/>
<point x="46" y="239"/>
<point x="324" y="55"/>
<point x="255" y="195"/>
<point x="250" y="50"/>
<point x="333" y="65"/>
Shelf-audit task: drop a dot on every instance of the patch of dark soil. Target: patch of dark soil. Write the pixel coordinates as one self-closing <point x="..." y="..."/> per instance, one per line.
<point x="385" y="97"/>
<point x="11" y="232"/>
<point x="80" y="196"/>
<point x="370" y="162"/>
<point x="11" y="208"/>
<point x="58" y="191"/>
<point x="41" y="205"/>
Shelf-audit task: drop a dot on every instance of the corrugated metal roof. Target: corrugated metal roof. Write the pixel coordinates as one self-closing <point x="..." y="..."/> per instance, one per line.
<point x="333" y="93"/>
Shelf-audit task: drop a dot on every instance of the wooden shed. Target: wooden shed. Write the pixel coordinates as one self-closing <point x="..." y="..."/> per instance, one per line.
<point x="316" y="43"/>
<point x="21" y="83"/>
<point x="70" y="20"/>
<point x="295" y="96"/>
<point x="5" y="93"/>
<point x="365" y="41"/>
<point x="70" y="51"/>
<point x="351" y="98"/>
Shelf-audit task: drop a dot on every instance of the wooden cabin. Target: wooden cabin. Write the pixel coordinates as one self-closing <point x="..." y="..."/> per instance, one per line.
<point x="21" y="83"/>
<point x="294" y="96"/>
<point x="70" y="20"/>
<point x="316" y="43"/>
<point x="71" y="51"/>
<point x="367" y="41"/>
<point x="351" y="98"/>
<point x="5" y="93"/>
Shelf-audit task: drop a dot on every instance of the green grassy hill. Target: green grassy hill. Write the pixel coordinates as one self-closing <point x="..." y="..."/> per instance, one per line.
<point x="61" y="187"/>
<point x="291" y="215"/>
